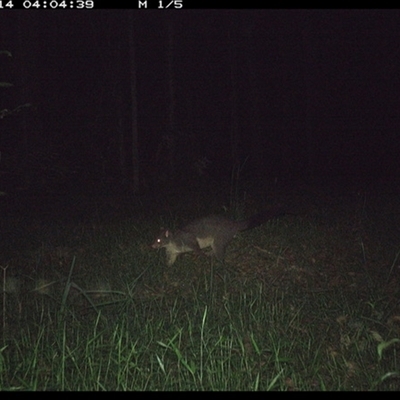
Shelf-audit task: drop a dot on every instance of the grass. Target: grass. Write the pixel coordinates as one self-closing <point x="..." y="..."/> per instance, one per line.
<point x="307" y="302"/>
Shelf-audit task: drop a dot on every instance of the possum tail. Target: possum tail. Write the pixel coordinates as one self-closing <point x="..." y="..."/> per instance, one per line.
<point x="261" y="218"/>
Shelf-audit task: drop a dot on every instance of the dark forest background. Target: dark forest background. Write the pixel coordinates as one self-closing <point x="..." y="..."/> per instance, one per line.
<point x="133" y="100"/>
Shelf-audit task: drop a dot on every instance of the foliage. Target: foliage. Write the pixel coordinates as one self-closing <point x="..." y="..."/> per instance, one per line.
<point x="299" y="304"/>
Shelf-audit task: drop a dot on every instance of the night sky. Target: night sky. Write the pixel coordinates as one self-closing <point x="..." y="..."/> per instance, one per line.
<point x="288" y="94"/>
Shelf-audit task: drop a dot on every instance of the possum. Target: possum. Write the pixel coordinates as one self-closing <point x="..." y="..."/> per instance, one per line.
<point x="214" y="231"/>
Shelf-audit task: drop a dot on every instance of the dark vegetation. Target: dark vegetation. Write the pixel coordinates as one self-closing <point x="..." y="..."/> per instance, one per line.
<point x="114" y="124"/>
<point x="309" y="301"/>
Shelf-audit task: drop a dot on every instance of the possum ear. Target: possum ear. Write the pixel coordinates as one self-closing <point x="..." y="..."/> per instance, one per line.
<point x="166" y="233"/>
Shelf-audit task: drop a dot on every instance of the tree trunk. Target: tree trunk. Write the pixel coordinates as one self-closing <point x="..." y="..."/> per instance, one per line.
<point x="134" y="121"/>
<point x="235" y="136"/>
<point x="171" y="129"/>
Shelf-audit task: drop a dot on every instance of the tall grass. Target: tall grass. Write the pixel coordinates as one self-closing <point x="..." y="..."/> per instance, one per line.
<point x="296" y="306"/>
